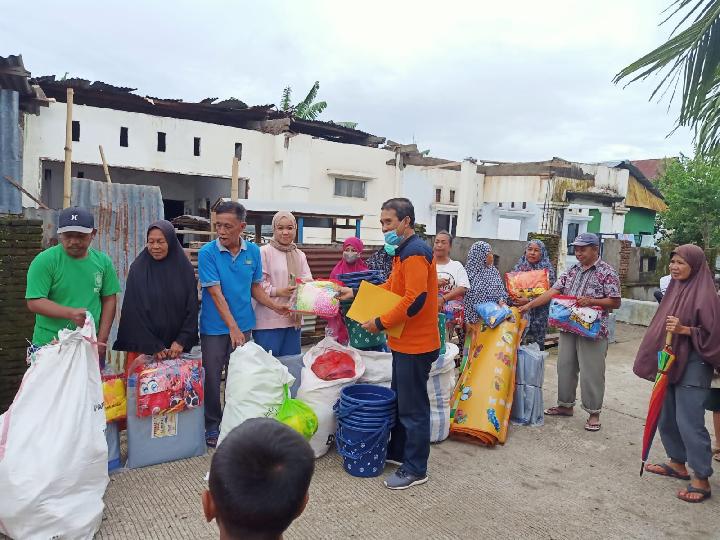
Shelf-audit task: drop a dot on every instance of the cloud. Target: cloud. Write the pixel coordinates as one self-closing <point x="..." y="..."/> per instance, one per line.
<point x="520" y="80"/>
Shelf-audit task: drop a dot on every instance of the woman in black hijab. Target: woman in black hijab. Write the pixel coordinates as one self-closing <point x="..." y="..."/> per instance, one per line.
<point x="160" y="309"/>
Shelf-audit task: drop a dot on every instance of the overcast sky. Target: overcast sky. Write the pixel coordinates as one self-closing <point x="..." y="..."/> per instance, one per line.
<point x="512" y="81"/>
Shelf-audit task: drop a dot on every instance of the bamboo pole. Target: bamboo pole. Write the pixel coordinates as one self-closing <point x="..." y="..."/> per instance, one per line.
<point x="67" y="178"/>
<point x="23" y="190"/>
<point x="105" y="165"/>
<point x="234" y="196"/>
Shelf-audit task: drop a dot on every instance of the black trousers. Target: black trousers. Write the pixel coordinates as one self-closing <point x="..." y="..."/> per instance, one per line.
<point x="410" y="439"/>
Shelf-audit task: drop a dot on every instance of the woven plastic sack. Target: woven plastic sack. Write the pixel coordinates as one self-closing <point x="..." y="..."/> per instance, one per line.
<point x="316" y="298"/>
<point x="530" y="284"/>
<point x="298" y="415"/>
<point x="53" y="452"/>
<point x="566" y="315"/>
<point x="492" y="314"/>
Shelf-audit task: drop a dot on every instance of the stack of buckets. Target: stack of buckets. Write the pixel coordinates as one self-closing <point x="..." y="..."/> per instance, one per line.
<point x="366" y="414"/>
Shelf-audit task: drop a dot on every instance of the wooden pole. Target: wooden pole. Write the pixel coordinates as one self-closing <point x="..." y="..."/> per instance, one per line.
<point x="67" y="183"/>
<point x="105" y="165"/>
<point x="234" y="196"/>
<point x="23" y="190"/>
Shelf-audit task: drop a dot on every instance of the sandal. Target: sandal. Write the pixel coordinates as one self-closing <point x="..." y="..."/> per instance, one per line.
<point x="667" y="470"/>
<point x="595" y="426"/>
<point x="556" y="411"/>
<point x="211" y="438"/>
<point x="716" y="454"/>
<point x="704" y="494"/>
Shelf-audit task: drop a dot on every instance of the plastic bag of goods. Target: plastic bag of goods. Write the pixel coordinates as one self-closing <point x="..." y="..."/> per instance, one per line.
<point x="114" y="397"/>
<point x="333" y="365"/>
<point x="321" y="395"/>
<point x="378" y="368"/>
<point x="297" y="415"/>
<point x="316" y="298"/>
<point x="53" y="453"/>
<point x="527" y="407"/>
<point x="530" y="284"/>
<point x="440" y="387"/>
<point x="165" y="386"/>
<point x="566" y="315"/>
<point x="492" y="314"/>
<point x="254" y="386"/>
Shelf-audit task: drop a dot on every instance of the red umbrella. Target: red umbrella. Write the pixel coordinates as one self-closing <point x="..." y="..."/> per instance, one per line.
<point x="666" y="357"/>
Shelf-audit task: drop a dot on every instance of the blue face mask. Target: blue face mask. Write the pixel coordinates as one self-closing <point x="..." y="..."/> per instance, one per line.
<point x="390" y="250"/>
<point x="392" y="238"/>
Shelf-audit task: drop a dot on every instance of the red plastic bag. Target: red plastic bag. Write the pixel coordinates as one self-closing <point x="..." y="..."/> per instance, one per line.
<point x="334" y="365"/>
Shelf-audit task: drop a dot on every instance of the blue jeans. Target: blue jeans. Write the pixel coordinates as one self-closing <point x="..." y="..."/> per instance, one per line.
<point x="279" y="341"/>
<point x="410" y="439"/>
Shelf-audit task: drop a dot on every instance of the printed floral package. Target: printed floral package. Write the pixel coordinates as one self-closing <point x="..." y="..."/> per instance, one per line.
<point x="316" y="298"/>
<point x="529" y="284"/>
<point x="566" y="315"/>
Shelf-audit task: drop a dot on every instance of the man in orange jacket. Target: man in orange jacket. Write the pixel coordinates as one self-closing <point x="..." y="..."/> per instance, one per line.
<point x="414" y="278"/>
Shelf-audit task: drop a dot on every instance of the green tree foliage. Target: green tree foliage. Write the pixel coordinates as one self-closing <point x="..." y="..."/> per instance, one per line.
<point x="308" y="108"/>
<point x="692" y="192"/>
<point x="689" y="59"/>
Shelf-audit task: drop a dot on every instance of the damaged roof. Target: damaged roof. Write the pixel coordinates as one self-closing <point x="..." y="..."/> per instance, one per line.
<point x="638" y="174"/>
<point x="14" y="76"/>
<point x="228" y="112"/>
<point x="553" y="167"/>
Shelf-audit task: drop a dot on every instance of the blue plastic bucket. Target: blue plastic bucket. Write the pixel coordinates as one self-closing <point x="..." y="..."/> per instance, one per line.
<point x="353" y="422"/>
<point x="368" y="395"/>
<point x="343" y="409"/>
<point x="363" y="449"/>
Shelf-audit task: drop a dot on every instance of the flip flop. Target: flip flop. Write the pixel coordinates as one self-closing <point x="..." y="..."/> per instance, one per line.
<point x="668" y="471"/>
<point x="592" y="427"/>
<point x="705" y="494"/>
<point x="556" y="411"/>
<point x="211" y="438"/>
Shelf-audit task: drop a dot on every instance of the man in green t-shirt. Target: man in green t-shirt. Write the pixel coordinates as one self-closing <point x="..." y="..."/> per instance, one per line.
<point x="66" y="280"/>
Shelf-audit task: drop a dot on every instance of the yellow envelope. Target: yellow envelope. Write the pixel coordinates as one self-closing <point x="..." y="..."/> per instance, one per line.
<point x="372" y="301"/>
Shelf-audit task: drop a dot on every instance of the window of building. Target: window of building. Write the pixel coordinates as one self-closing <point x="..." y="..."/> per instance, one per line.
<point x="196" y="146"/>
<point x="573" y="231"/>
<point x="438" y="194"/>
<point x="76" y="131"/>
<point x="81" y="174"/>
<point x="123" y="136"/>
<point x="648" y="264"/>
<point x="446" y="222"/>
<point x="452" y="195"/>
<point x="161" y="142"/>
<point x="238" y="150"/>
<point x="350" y="188"/>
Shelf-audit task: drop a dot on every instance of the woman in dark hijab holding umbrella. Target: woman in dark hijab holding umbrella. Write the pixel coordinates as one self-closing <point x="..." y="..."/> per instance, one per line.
<point x="160" y="308"/>
<point x="690" y="311"/>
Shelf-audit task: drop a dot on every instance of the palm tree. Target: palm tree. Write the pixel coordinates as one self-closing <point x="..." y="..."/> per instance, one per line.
<point x="690" y="57"/>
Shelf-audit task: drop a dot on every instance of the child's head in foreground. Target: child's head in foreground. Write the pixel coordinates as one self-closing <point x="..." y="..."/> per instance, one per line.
<point x="259" y="480"/>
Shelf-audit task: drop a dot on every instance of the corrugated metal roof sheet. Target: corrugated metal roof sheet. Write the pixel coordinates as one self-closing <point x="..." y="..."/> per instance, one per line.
<point x="123" y="212"/>
<point x="14" y="76"/>
<point x="10" y="150"/>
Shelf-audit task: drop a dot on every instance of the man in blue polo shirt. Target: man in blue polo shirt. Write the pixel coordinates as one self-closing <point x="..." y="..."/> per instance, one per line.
<point x="230" y="274"/>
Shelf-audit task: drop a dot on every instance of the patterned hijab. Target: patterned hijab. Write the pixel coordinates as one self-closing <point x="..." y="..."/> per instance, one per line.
<point x="485" y="282"/>
<point x="524" y="265"/>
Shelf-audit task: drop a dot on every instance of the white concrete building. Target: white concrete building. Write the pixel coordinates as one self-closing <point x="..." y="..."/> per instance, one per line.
<point x="191" y="160"/>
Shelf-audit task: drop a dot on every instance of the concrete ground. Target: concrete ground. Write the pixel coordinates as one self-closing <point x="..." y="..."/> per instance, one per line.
<point x="557" y="481"/>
